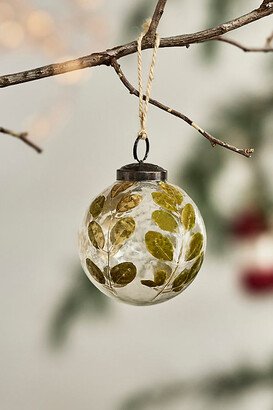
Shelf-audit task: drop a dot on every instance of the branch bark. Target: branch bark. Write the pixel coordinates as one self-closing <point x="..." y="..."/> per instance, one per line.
<point x="266" y="49"/>
<point x="105" y="57"/>
<point x="159" y="10"/>
<point x="214" y="141"/>
<point x="110" y="57"/>
<point x="23" y="137"/>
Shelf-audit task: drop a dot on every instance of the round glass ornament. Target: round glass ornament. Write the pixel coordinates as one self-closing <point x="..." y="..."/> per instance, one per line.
<point x="143" y="239"/>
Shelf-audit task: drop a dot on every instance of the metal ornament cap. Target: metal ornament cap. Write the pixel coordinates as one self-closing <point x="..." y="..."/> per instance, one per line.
<point x="141" y="171"/>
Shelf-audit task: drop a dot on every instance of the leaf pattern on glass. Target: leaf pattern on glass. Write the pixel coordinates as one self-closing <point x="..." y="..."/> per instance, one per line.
<point x="149" y="283"/>
<point x="172" y="191"/>
<point x="196" y="266"/>
<point x="165" y="220"/>
<point x="123" y="273"/>
<point x="180" y="281"/>
<point x="165" y="201"/>
<point x="96" y="235"/>
<point x="195" y="246"/>
<point x="159" y="245"/>
<point x="122" y="230"/>
<point x="97" y="206"/>
<point x="188" y="275"/>
<point x="188" y="217"/>
<point x="160" y="277"/>
<point x="120" y="187"/>
<point x="128" y="202"/>
<point x="95" y="271"/>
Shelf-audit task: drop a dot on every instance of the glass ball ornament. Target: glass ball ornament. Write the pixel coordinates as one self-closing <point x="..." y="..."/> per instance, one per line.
<point x="143" y="239"/>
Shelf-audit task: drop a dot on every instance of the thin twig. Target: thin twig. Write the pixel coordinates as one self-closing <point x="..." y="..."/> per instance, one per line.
<point x="104" y="57"/>
<point x="110" y="57"/>
<point x="23" y="137"/>
<point x="159" y="10"/>
<point x="269" y="40"/>
<point x="235" y="43"/>
<point x="214" y="141"/>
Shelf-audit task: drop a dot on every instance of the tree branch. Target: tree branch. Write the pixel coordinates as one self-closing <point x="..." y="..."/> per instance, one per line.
<point x="110" y="57"/>
<point x="214" y="141"/>
<point x="104" y="57"/>
<point x="269" y="40"/>
<point x="266" y="49"/>
<point x="23" y="137"/>
<point x="159" y="10"/>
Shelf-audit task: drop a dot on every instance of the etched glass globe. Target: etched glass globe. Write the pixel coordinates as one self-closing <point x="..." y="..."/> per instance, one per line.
<point x="142" y="241"/>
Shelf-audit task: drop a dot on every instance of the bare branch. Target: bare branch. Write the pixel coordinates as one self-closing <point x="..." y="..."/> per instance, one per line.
<point x="214" y="141"/>
<point x="269" y="40"/>
<point x="23" y="137"/>
<point x="104" y="58"/>
<point x="266" y="49"/>
<point x="159" y="10"/>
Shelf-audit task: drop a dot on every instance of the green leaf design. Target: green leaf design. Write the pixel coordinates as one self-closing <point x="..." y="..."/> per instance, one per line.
<point x="149" y="283"/>
<point x="165" y="201"/>
<point x="123" y="273"/>
<point x="196" y="266"/>
<point x="122" y="231"/>
<point x="195" y="246"/>
<point x="160" y="277"/>
<point x="172" y="191"/>
<point x="96" y="235"/>
<point x="95" y="271"/>
<point x="128" y="202"/>
<point x="164" y="220"/>
<point x="180" y="281"/>
<point x="97" y="206"/>
<point x="159" y="246"/>
<point x="120" y="187"/>
<point x="187" y="276"/>
<point x="188" y="217"/>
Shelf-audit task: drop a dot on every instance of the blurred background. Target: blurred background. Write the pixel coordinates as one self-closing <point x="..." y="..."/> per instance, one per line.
<point x="63" y="344"/>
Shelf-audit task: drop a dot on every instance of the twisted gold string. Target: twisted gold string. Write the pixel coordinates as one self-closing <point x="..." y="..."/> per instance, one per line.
<point x="144" y="103"/>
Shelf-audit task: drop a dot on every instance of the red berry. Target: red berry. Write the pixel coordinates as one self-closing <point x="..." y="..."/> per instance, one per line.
<point x="250" y="223"/>
<point x="258" y="280"/>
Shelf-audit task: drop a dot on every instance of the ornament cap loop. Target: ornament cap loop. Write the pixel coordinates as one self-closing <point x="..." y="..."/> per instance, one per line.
<point x="147" y="142"/>
<point x="141" y="171"/>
